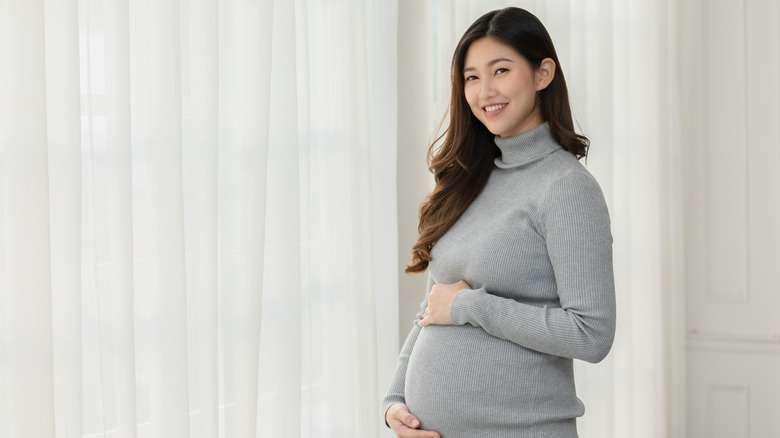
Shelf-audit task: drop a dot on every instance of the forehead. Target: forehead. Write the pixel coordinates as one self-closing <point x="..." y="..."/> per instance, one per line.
<point x="486" y="49"/>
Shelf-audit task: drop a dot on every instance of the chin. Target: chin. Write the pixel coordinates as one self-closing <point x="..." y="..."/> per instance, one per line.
<point x="495" y="130"/>
<point x="500" y="132"/>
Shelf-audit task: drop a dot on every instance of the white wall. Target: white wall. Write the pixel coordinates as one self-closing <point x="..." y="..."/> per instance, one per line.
<point x="729" y="71"/>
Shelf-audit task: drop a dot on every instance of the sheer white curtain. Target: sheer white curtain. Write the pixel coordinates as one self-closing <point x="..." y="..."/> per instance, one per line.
<point x="198" y="217"/>
<point x="620" y="61"/>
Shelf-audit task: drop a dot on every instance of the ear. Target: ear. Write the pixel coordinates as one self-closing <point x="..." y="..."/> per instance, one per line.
<point x="545" y="74"/>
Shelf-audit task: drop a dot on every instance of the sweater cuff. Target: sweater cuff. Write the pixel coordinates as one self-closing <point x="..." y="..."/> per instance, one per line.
<point x="464" y="306"/>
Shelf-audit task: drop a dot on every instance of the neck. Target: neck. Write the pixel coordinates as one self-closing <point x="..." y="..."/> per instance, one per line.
<point x="526" y="147"/>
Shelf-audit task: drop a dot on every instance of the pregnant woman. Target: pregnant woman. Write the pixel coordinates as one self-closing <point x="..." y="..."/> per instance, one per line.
<point x="516" y="241"/>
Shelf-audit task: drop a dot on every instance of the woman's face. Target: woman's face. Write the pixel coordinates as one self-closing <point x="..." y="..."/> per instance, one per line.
<point x="500" y="87"/>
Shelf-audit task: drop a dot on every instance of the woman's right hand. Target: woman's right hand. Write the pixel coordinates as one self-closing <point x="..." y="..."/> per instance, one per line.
<point x="404" y="424"/>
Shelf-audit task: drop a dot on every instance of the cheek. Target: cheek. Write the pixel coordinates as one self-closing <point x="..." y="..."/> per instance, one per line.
<point x="524" y="90"/>
<point x="472" y="98"/>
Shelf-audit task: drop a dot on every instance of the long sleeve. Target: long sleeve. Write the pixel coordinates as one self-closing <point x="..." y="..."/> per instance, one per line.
<point x="574" y="222"/>
<point x="395" y="393"/>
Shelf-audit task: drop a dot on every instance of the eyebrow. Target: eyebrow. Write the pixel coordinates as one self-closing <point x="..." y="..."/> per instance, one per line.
<point x="489" y="64"/>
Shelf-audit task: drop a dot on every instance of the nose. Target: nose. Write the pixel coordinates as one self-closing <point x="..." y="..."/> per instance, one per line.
<point x="487" y="89"/>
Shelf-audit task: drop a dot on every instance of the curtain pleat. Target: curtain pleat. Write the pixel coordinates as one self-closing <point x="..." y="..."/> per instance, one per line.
<point x="119" y="214"/>
<point x="27" y="293"/>
<point x="244" y="80"/>
<point x="381" y="71"/>
<point x="165" y="359"/>
<point x="200" y="122"/>
<point x="281" y="413"/>
<point x="63" y="133"/>
<point x="642" y="211"/>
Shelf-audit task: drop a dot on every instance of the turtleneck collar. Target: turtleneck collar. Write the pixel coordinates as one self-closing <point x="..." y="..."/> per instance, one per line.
<point x="524" y="148"/>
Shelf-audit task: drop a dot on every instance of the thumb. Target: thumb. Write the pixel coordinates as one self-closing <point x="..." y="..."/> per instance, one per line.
<point x="410" y="420"/>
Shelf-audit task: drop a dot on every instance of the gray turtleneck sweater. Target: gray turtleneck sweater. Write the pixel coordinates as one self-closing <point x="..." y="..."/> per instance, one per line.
<point x="536" y="248"/>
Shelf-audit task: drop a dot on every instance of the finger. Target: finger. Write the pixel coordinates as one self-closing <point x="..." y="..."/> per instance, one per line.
<point x="414" y="433"/>
<point x="404" y="431"/>
<point x="410" y="420"/>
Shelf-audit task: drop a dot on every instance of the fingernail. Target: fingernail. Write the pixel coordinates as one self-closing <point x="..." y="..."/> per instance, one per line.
<point x="415" y="423"/>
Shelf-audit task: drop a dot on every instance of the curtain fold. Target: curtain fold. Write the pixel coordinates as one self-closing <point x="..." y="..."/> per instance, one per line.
<point x="281" y="398"/>
<point x="119" y="213"/>
<point x="201" y="118"/>
<point x="198" y="217"/>
<point x="63" y="131"/>
<point x="27" y="292"/>
<point x="245" y="57"/>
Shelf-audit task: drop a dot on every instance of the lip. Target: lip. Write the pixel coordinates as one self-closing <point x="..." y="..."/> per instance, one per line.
<point x="496" y="112"/>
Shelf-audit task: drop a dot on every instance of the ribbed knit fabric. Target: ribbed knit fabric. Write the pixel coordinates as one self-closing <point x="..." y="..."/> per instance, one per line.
<point x="536" y="248"/>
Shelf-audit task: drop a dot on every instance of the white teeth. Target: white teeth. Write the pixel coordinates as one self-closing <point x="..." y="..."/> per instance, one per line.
<point x="495" y="107"/>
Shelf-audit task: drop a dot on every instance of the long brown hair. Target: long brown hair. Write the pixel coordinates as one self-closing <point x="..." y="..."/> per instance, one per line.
<point x="462" y="158"/>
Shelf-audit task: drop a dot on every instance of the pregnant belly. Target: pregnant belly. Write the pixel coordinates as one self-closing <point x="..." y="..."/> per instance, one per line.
<point x="461" y="378"/>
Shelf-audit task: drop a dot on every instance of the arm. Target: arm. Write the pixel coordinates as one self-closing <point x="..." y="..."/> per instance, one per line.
<point x="575" y="223"/>
<point x="395" y="393"/>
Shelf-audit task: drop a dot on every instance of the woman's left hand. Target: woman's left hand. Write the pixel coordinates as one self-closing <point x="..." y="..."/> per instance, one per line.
<point x="439" y="303"/>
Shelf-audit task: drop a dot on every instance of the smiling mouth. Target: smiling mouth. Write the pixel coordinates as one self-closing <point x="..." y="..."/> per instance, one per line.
<point x="494" y="108"/>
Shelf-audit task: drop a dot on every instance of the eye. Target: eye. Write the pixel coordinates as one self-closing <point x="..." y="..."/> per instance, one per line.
<point x="501" y="70"/>
<point x="470" y="78"/>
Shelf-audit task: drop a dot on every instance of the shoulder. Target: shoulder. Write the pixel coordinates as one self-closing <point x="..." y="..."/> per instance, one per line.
<point x="546" y="186"/>
<point x="567" y="174"/>
<point x="572" y="194"/>
<point x="556" y="174"/>
<point x="563" y="163"/>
